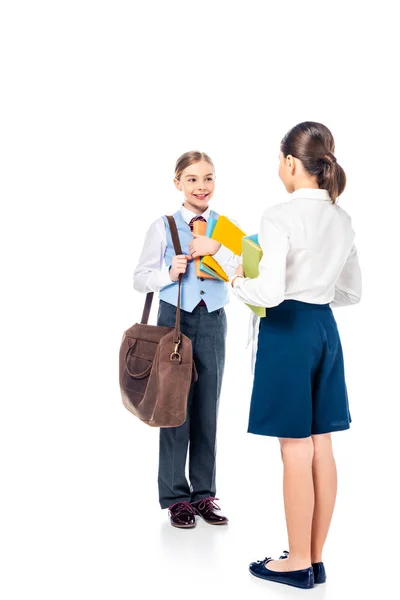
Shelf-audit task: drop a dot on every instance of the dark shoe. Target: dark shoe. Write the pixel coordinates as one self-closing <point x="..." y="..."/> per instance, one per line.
<point x="318" y="569"/>
<point x="319" y="572"/>
<point x="182" y="515"/>
<point x="303" y="578"/>
<point x="206" y="509"/>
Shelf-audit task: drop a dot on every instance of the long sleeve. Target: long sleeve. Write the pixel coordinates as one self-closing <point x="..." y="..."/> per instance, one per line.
<point x="348" y="287"/>
<point x="268" y="289"/>
<point x="227" y="260"/>
<point x="150" y="275"/>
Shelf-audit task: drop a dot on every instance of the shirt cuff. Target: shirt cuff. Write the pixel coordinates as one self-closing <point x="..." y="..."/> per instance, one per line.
<point x="165" y="278"/>
<point x="238" y="281"/>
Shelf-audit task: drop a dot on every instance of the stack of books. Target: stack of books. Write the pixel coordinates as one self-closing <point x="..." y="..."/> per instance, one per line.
<point x="232" y="237"/>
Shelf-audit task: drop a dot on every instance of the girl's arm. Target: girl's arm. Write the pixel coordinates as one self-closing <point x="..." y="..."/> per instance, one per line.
<point x="268" y="289"/>
<point x="349" y="285"/>
<point x="227" y="259"/>
<point x="150" y="275"/>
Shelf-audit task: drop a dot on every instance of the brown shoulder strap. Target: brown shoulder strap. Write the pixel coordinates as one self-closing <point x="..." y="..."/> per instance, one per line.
<point x="174" y="234"/>
<point x="149" y="296"/>
<point x="147" y="308"/>
<point x="178" y="250"/>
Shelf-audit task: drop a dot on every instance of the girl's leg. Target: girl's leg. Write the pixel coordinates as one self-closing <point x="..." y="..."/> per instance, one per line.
<point x="298" y="490"/>
<point x="209" y="349"/>
<point x="325" y="487"/>
<point x="174" y="441"/>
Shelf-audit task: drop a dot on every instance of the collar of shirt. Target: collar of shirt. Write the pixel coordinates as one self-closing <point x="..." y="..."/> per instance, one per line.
<point x="188" y="214"/>
<point x="311" y="193"/>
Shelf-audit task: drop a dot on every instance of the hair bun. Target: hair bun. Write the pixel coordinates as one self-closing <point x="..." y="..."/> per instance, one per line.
<point x="313" y="145"/>
<point x="329" y="158"/>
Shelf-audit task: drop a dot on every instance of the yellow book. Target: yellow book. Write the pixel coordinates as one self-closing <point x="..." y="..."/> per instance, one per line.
<point x="228" y="234"/>
<point x="252" y="254"/>
<point x="211" y="264"/>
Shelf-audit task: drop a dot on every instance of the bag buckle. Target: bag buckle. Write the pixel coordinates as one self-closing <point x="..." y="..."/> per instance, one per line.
<point x="175" y="353"/>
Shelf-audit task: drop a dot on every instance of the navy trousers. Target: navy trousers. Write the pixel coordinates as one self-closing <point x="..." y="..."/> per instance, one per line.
<point x="207" y="332"/>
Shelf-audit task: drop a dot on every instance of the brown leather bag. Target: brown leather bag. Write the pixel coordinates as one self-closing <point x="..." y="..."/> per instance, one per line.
<point x="156" y="366"/>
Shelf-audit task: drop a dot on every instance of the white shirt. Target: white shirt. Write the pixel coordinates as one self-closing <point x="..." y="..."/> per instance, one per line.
<point x="308" y="254"/>
<point x="151" y="273"/>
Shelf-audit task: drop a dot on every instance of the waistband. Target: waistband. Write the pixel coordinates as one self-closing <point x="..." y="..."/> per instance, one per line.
<point x="200" y="307"/>
<point x="288" y="305"/>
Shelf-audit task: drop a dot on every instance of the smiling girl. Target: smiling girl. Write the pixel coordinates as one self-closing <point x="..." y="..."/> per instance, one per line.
<point x="203" y="320"/>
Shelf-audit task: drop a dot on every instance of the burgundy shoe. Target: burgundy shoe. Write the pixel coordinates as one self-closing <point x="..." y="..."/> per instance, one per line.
<point x="206" y="509"/>
<point x="181" y="514"/>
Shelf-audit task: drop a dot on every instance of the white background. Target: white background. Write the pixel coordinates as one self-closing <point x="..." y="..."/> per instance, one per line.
<point x="98" y="100"/>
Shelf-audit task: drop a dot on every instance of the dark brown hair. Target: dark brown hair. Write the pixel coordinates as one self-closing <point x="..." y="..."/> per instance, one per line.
<point x="189" y="158"/>
<point x="313" y="144"/>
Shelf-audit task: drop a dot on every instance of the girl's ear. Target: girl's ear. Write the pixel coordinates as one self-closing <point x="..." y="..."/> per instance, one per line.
<point x="178" y="184"/>
<point x="290" y="163"/>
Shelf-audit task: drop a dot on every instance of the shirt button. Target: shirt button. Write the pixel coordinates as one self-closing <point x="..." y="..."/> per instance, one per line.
<point x="201" y="278"/>
<point x="202" y="292"/>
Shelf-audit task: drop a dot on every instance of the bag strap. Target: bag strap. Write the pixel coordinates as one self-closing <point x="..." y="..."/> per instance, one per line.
<point x="178" y="250"/>
<point x="147" y="308"/>
<point x="149" y="296"/>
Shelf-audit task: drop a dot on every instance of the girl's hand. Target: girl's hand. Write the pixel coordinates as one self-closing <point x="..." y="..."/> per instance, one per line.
<point x="179" y="265"/>
<point x="239" y="273"/>
<point x="203" y="246"/>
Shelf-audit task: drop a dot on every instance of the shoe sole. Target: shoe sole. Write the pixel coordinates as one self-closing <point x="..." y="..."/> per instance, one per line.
<point x="315" y="581"/>
<point x="301" y="587"/>
<point x="183" y="526"/>
<point x="211" y="522"/>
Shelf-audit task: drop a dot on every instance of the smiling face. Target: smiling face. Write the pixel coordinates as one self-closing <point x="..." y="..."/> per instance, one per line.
<point x="197" y="183"/>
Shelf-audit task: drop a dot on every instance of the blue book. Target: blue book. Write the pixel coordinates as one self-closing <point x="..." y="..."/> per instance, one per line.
<point x="205" y="269"/>
<point x="211" y="223"/>
<point x="253" y="238"/>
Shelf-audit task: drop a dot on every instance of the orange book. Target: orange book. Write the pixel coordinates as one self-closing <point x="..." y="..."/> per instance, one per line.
<point x="199" y="227"/>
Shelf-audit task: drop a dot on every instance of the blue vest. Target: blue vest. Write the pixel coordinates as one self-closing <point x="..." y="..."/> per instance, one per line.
<point x="193" y="290"/>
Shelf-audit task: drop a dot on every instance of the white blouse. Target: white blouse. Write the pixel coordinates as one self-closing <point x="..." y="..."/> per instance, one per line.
<point x="308" y="254"/>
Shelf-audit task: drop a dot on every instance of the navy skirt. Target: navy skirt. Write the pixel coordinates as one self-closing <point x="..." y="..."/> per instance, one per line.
<point x="299" y="384"/>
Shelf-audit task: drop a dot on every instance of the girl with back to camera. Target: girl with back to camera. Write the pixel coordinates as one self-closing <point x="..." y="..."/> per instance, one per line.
<point x="299" y="393"/>
<point x="203" y="320"/>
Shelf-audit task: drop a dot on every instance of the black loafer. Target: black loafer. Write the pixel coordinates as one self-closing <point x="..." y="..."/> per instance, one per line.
<point x="304" y="578"/>
<point x="207" y="509"/>
<point x="182" y="515"/>
<point x="318" y="569"/>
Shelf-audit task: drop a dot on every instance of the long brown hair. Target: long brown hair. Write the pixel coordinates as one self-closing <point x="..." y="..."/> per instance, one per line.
<point x="313" y="144"/>
<point x="189" y="158"/>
